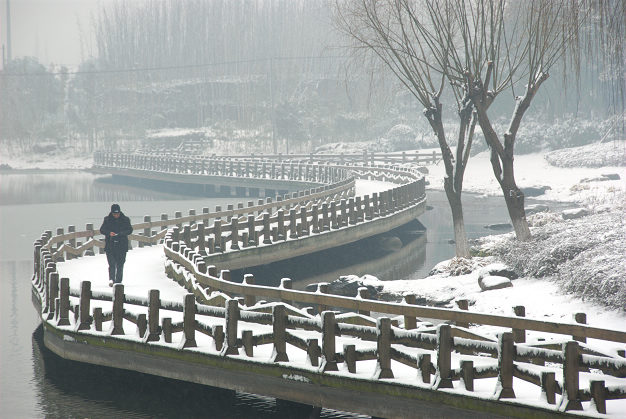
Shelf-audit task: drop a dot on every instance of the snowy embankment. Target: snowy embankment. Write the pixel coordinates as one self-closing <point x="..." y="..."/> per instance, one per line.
<point x="575" y="261"/>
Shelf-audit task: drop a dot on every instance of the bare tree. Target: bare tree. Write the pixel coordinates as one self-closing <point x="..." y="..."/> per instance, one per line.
<point x="403" y="36"/>
<point x="479" y="48"/>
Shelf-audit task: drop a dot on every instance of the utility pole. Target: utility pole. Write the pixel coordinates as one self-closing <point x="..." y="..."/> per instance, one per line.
<point x="8" y="31"/>
<point x="272" y="108"/>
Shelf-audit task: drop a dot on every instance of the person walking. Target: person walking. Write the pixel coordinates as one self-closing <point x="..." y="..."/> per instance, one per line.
<point x="116" y="228"/>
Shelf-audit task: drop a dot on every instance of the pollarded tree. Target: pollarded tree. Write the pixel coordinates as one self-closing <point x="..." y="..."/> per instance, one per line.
<point x="480" y="49"/>
<point x="403" y="35"/>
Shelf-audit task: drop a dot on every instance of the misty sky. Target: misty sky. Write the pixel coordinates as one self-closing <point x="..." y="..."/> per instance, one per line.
<point x="49" y="29"/>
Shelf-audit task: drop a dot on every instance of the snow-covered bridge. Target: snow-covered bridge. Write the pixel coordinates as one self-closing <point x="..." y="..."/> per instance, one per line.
<point x="311" y="348"/>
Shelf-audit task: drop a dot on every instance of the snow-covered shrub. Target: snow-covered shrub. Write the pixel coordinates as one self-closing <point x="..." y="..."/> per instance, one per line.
<point x="591" y="155"/>
<point x="585" y="255"/>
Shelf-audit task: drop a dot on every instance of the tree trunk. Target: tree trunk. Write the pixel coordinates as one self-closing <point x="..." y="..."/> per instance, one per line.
<point x="513" y="196"/>
<point x="456" y="206"/>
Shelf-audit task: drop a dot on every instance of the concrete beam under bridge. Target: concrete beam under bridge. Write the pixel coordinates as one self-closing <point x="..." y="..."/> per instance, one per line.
<point x="308" y="386"/>
<point x="229" y="181"/>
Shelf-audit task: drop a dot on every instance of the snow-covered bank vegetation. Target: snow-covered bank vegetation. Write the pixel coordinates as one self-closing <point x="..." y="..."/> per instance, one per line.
<point x="584" y="256"/>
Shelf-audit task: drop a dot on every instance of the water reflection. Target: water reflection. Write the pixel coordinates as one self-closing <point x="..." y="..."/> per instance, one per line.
<point x="373" y="255"/>
<point x="33" y="187"/>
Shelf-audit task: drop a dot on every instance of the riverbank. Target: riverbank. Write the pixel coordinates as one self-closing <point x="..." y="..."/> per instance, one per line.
<point x="574" y="263"/>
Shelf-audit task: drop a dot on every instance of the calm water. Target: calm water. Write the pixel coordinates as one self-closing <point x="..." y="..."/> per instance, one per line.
<point x="36" y="383"/>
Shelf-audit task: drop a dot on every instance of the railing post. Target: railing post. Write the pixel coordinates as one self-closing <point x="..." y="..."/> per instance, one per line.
<point x="304" y="227"/>
<point x="84" y="319"/>
<point x="349" y="357"/>
<point x="267" y="234"/>
<point x="325" y="218"/>
<point x="64" y="303"/>
<point x="279" y="326"/>
<point x="410" y="322"/>
<point x="580" y="318"/>
<point x="329" y="362"/>
<point x="234" y="233"/>
<point x="444" y="349"/>
<point x="570" y="399"/>
<point x="548" y="386"/>
<point x="118" y="310"/>
<point x="189" y="322"/>
<point x="293" y="231"/>
<point x="252" y="239"/>
<point x="467" y="375"/>
<point x="598" y="395"/>
<point x="519" y="335"/>
<point x="53" y="294"/>
<point x="247" y="342"/>
<point x="313" y="352"/>
<point x="506" y="352"/>
<point x="167" y="329"/>
<point x="89" y="227"/>
<point x="383" y="348"/>
<point x="463" y="304"/>
<point x="249" y="298"/>
<point x="146" y="231"/>
<point x="423" y="367"/>
<point x="154" y="305"/>
<point x="231" y="320"/>
<point x="363" y="294"/>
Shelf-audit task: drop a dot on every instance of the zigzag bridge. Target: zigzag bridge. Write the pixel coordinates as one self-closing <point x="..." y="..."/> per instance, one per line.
<point x="315" y="349"/>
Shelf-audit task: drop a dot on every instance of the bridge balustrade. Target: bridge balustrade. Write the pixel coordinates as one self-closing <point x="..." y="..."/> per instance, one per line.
<point x="228" y="326"/>
<point x="238" y="322"/>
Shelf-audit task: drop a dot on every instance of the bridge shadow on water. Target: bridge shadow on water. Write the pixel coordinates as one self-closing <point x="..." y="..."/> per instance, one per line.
<point x="389" y="256"/>
<point x="75" y="389"/>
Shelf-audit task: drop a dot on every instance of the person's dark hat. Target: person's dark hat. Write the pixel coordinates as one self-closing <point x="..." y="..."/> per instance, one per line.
<point x="115" y="208"/>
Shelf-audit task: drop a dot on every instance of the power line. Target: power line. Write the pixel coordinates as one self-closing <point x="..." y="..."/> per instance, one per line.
<point x="4" y="72"/>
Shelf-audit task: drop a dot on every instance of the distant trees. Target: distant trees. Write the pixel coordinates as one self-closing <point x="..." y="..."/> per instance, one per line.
<point x="31" y="99"/>
<point x="481" y="51"/>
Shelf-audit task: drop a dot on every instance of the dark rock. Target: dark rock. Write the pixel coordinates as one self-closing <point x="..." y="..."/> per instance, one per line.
<point x="493" y="282"/>
<point x="429" y="208"/>
<point x="498" y="269"/>
<point x="347" y="286"/>
<point x="535" y="190"/>
<point x="451" y="241"/>
<point x="499" y="226"/>
<point x="533" y="209"/>
<point x="5" y="166"/>
<point x="574" y="213"/>
<point x="611" y="176"/>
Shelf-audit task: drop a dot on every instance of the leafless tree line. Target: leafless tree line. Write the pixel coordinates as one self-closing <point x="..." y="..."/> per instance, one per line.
<point x="477" y="55"/>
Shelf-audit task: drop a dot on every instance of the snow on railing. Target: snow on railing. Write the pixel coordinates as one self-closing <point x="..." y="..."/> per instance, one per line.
<point x="220" y="316"/>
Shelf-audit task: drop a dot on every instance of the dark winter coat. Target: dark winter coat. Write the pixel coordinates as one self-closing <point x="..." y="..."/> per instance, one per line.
<point x="121" y="226"/>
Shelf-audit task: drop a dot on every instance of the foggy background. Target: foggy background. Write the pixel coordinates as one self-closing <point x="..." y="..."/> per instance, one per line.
<point x="236" y="76"/>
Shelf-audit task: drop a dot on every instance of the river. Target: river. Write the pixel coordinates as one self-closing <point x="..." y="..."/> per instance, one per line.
<point x="36" y="383"/>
